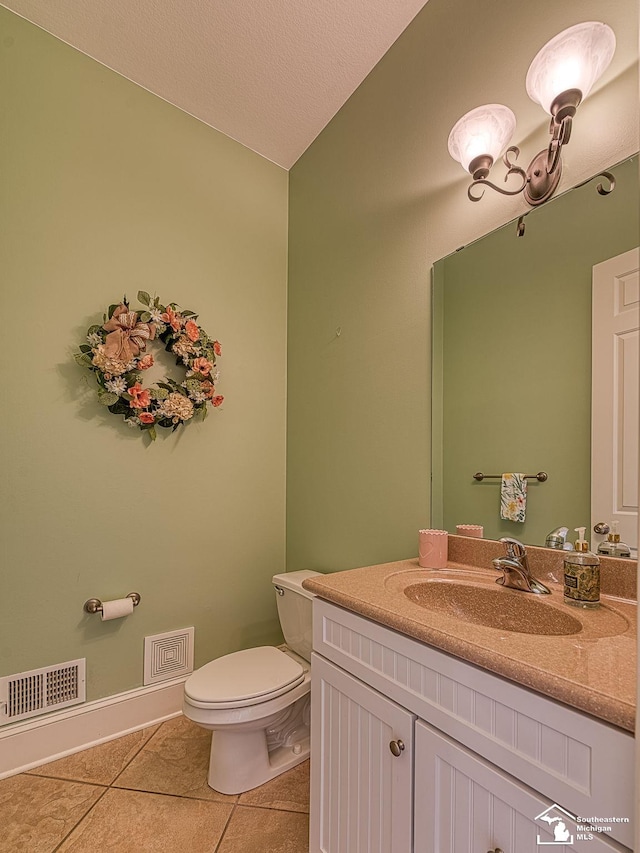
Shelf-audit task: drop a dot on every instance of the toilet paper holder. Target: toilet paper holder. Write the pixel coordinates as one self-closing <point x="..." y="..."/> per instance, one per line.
<point x="94" y="605"/>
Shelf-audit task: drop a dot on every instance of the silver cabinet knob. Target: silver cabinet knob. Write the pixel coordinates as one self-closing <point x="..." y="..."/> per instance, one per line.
<point x="396" y="747"/>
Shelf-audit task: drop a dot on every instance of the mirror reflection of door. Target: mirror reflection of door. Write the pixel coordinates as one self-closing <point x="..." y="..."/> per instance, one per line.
<point x="614" y="400"/>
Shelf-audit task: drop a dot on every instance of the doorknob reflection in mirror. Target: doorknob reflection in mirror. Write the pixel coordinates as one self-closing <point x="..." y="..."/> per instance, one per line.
<point x="561" y="75"/>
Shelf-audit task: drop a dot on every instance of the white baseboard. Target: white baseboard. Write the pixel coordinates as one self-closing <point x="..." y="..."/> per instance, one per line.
<point x="26" y="745"/>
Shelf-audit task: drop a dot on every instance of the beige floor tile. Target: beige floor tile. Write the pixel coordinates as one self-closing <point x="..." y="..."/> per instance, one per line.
<point x="137" y="822"/>
<point x="37" y="813"/>
<point x="288" y="791"/>
<point x="100" y="764"/>
<point x="265" y="831"/>
<point x="175" y="761"/>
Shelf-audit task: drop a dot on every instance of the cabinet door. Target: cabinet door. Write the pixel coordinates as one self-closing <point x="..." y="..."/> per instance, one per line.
<point x="361" y="799"/>
<point x="464" y="804"/>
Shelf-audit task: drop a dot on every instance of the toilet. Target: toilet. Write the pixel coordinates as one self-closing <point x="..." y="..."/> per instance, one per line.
<point x="257" y="702"/>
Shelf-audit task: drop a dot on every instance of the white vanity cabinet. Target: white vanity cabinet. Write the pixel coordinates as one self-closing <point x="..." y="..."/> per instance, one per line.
<point x="365" y="789"/>
<point x="483" y="758"/>
<point x="464" y="804"/>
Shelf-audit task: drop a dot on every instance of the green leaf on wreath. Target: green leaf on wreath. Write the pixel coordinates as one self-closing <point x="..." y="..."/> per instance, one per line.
<point x="83" y="359"/>
<point x="152" y="433"/>
<point x="112" y="308"/>
<point x="145" y="317"/>
<point x="158" y="393"/>
<point x="107" y="398"/>
<point x="144" y="297"/>
<point x="92" y="330"/>
<point x="85" y="348"/>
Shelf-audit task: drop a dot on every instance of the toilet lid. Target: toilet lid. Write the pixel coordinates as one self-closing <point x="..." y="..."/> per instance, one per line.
<point x="245" y="677"/>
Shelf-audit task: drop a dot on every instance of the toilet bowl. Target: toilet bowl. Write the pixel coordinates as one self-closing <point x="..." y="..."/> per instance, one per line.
<point x="257" y="701"/>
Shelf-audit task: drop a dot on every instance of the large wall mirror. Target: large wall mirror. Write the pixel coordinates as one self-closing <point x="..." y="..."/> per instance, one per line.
<point x="512" y="331"/>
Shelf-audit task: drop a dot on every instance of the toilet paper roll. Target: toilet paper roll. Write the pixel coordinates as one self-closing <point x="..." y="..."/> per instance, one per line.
<point x="116" y="609"/>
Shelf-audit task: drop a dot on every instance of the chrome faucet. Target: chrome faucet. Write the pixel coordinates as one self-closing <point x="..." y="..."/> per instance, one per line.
<point x="557" y="538"/>
<point x="515" y="569"/>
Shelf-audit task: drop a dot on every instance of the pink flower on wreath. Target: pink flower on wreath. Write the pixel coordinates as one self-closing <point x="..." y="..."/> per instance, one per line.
<point x="171" y="318"/>
<point x="201" y="365"/>
<point x="146" y="362"/>
<point x="146" y="418"/>
<point x="208" y="388"/>
<point x="217" y="348"/>
<point x="140" y="395"/>
<point x="217" y="401"/>
<point x="192" y="330"/>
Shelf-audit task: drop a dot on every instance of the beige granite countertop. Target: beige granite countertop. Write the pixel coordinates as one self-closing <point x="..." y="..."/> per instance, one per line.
<point x="593" y="670"/>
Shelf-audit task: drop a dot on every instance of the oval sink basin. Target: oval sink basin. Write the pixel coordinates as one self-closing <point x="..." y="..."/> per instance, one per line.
<point x="505" y="610"/>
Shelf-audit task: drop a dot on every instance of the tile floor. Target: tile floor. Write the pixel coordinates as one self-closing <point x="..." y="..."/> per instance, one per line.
<point x="147" y="792"/>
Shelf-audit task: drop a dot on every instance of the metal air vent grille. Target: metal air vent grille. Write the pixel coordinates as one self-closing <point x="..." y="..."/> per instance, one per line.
<point x="36" y="691"/>
<point x="168" y="655"/>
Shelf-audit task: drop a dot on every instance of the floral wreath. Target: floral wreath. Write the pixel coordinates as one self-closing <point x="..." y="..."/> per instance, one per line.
<point x="116" y="353"/>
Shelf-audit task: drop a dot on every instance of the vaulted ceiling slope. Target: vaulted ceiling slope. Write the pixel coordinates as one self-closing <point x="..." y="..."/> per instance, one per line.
<point x="269" y="74"/>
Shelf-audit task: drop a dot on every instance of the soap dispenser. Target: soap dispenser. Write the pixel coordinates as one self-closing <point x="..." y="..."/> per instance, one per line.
<point x="612" y="546"/>
<point x="582" y="575"/>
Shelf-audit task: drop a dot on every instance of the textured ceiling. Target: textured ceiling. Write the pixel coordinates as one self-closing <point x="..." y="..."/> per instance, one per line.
<point x="270" y="74"/>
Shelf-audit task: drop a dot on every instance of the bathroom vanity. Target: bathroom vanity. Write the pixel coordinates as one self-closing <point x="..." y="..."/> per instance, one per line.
<point x="420" y="744"/>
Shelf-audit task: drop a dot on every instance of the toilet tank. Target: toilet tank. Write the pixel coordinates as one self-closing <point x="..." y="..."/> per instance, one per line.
<point x="294" y="610"/>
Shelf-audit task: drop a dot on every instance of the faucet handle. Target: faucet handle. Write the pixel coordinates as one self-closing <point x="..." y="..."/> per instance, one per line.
<point x="515" y="549"/>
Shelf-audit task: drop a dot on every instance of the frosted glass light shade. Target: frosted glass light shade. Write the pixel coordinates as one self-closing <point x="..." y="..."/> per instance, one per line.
<point x="486" y="130"/>
<point x="574" y="59"/>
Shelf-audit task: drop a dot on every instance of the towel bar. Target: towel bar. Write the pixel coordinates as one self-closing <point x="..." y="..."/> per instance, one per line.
<point x="541" y="476"/>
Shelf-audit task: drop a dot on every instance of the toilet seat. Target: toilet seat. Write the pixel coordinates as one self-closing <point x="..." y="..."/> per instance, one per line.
<point x="244" y="678"/>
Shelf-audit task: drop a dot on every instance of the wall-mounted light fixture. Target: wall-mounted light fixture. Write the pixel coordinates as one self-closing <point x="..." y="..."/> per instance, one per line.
<point x="561" y="76"/>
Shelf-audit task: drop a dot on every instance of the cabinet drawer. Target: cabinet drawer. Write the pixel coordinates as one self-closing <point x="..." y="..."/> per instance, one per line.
<point x="465" y="805"/>
<point x="584" y="764"/>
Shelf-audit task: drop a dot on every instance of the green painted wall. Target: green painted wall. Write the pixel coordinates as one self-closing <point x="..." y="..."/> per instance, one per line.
<point x="516" y="359"/>
<point x="370" y="211"/>
<point x="107" y="189"/>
